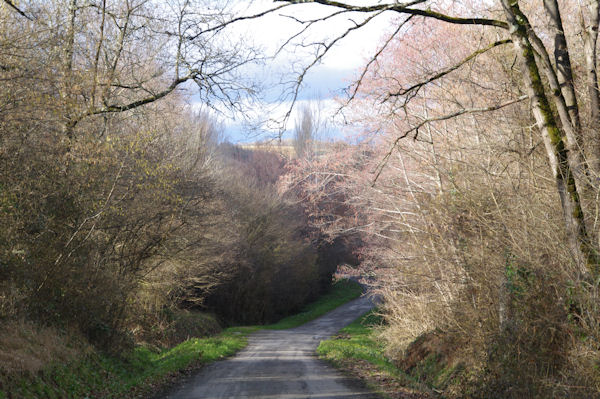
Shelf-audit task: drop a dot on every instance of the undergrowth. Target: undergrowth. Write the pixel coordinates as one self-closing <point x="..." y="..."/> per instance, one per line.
<point x="343" y="291"/>
<point x="144" y="370"/>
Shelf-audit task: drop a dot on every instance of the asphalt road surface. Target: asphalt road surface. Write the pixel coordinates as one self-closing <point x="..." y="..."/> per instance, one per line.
<point x="281" y="364"/>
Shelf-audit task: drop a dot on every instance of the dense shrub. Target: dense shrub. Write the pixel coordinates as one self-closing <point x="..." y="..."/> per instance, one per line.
<point x="277" y="268"/>
<point x="121" y="214"/>
<point x="486" y="263"/>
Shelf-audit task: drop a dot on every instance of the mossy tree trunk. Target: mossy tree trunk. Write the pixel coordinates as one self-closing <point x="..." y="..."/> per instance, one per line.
<point x="590" y="41"/>
<point x="564" y="79"/>
<point x="554" y="140"/>
<point x="564" y="69"/>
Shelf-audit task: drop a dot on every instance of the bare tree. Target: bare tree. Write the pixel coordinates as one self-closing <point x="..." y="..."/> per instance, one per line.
<point x="117" y="56"/>
<point x="304" y="131"/>
<point x="547" y="79"/>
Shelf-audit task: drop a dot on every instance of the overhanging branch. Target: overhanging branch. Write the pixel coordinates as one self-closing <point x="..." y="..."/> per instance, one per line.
<point x="17" y="9"/>
<point x="237" y="19"/>
<point x="319" y="57"/>
<point x="374" y="58"/>
<point x="114" y="108"/>
<point x="405" y="8"/>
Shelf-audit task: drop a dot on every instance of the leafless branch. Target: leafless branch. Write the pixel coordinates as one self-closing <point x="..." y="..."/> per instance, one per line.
<point x="440" y="74"/>
<point x="405" y="8"/>
<point x="17" y="9"/>
<point x="358" y="83"/>
<point x="416" y="128"/>
<point x="319" y="57"/>
<point x="237" y="19"/>
<point x="308" y="24"/>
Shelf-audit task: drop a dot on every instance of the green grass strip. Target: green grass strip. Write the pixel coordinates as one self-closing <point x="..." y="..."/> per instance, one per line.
<point x="142" y="371"/>
<point x="343" y="291"/>
<point x="357" y="342"/>
<point x="99" y="376"/>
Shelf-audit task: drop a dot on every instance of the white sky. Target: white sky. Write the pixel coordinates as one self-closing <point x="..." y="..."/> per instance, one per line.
<point x="337" y="68"/>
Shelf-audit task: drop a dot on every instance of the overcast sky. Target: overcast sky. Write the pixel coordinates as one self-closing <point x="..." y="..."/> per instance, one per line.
<point x="324" y="81"/>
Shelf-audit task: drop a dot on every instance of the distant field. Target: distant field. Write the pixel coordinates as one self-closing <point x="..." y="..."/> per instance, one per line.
<point x="286" y="148"/>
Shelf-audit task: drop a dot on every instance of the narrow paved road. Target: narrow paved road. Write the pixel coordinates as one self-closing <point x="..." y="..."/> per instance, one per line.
<point x="281" y="364"/>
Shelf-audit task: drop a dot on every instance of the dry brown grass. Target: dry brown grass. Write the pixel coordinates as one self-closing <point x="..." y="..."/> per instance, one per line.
<point x="27" y="348"/>
<point x="484" y="259"/>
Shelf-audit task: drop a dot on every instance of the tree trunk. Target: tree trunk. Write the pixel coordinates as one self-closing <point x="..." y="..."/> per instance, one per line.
<point x="590" y="40"/>
<point x="563" y="65"/>
<point x="67" y="70"/>
<point x="558" y="155"/>
<point x="564" y="72"/>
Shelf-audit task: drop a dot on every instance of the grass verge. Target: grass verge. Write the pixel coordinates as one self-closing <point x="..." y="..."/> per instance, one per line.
<point x="343" y="291"/>
<point x="144" y="371"/>
<point x="356" y="352"/>
<point x="136" y="376"/>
